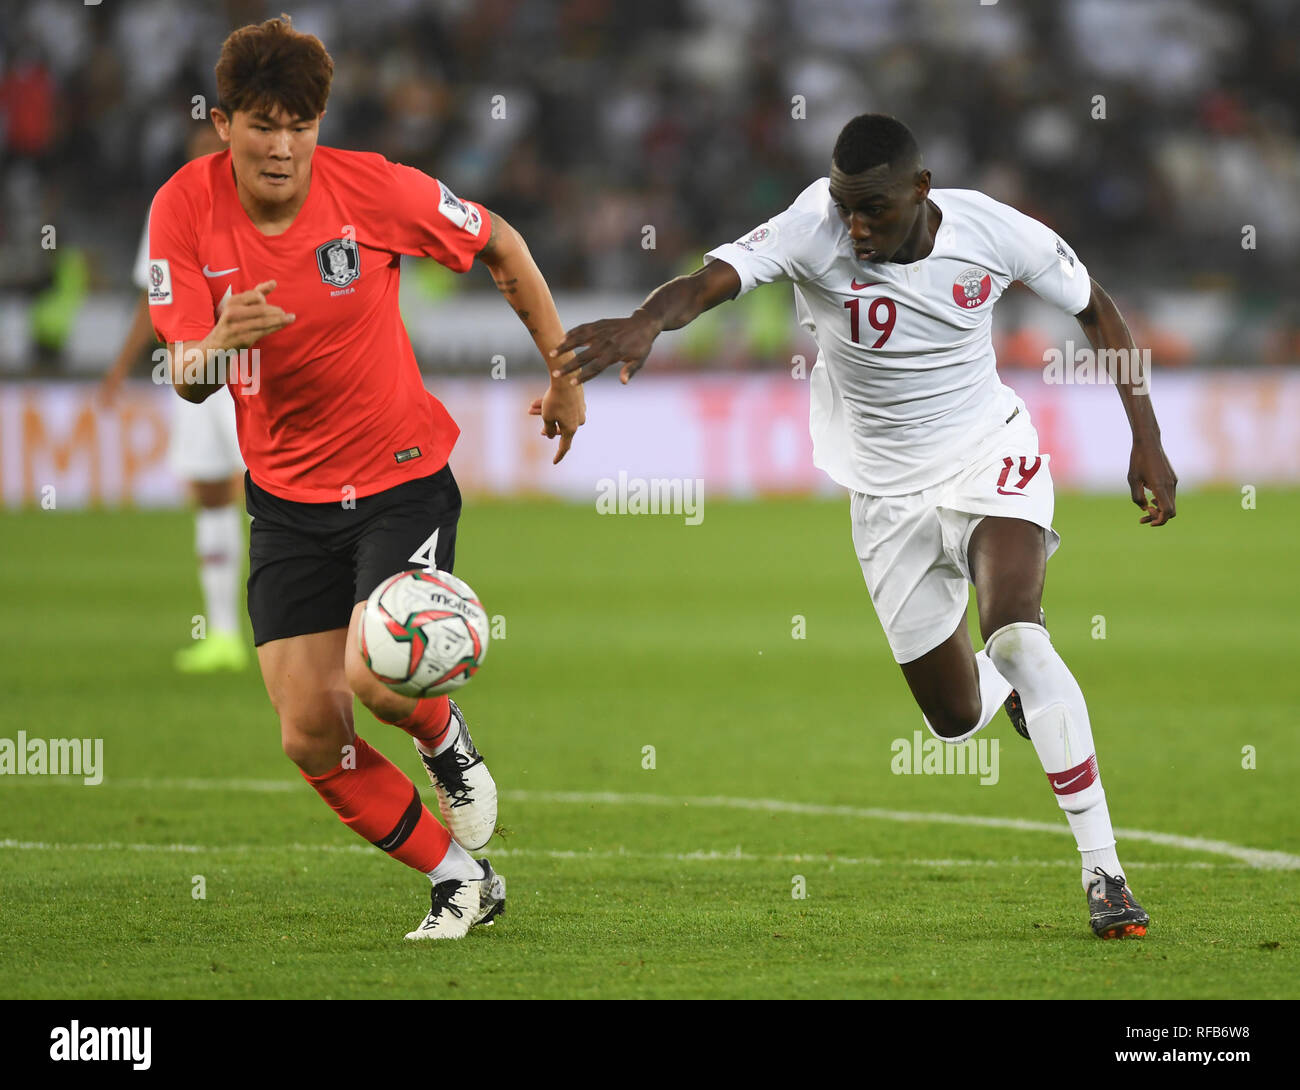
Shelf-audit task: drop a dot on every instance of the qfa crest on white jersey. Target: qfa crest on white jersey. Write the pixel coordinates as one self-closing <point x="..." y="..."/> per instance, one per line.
<point x="971" y="288"/>
<point x="339" y="261"/>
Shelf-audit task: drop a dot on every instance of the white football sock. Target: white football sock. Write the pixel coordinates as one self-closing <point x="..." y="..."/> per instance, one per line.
<point x="1057" y="718"/>
<point x="457" y="863"/>
<point x="219" y="542"/>
<point x="994" y="690"/>
<point x="1105" y="858"/>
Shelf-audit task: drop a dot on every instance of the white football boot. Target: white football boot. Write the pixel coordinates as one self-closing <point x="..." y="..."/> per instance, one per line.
<point x="457" y="905"/>
<point x="467" y="793"/>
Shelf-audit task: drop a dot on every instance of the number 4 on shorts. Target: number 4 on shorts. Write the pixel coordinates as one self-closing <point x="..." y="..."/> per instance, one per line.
<point x="427" y="553"/>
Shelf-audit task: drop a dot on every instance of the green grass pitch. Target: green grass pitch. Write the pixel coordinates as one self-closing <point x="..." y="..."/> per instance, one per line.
<point x="772" y="772"/>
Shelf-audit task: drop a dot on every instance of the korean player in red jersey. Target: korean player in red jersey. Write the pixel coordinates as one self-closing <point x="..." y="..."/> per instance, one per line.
<point x="291" y="250"/>
<point x="897" y="281"/>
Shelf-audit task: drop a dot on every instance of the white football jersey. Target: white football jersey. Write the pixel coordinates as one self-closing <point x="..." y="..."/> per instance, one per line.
<point x="905" y="385"/>
<point x="140" y="270"/>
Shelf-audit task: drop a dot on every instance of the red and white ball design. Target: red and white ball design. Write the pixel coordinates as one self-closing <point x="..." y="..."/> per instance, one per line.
<point x="424" y="633"/>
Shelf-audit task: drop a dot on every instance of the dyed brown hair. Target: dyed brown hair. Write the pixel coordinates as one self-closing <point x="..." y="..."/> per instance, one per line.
<point x="268" y="65"/>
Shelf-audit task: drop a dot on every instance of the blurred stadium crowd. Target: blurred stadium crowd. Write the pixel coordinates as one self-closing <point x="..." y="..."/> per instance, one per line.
<point x="683" y="115"/>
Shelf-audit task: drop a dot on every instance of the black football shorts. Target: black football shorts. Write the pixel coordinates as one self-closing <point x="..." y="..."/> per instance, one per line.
<point x="310" y="563"/>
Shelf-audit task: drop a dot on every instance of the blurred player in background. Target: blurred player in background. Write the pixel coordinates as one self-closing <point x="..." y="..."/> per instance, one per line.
<point x="897" y="283"/>
<point x="348" y="480"/>
<point x="203" y="451"/>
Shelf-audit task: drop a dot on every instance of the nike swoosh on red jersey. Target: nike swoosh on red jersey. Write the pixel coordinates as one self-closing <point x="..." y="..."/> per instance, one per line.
<point x="866" y="284"/>
<point x="1067" y="783"/>
<point x="218" y="272"/>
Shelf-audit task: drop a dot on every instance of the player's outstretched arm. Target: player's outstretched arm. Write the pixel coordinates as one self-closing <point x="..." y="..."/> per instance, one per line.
<point x="199" y="368"/>
<point x="1149" y="468"/>
<point x="138" y="338"/>
<point x="563" y="410"/>
<point x="628" y="340"/>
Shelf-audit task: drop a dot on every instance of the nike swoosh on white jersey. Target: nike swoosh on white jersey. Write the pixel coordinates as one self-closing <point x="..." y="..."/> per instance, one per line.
<point x="219" y="272"/>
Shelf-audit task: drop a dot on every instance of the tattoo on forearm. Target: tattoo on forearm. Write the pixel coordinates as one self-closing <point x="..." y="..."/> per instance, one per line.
<point x="523" y="315"/>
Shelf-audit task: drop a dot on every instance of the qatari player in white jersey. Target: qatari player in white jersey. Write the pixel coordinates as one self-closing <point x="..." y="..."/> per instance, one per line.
<point x="897" y="283"/>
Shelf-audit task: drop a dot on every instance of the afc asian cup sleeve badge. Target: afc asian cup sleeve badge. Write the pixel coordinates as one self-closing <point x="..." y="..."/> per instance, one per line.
<point x="339" y="261"/>
<point x="461" y="214"/>
<point x="971" y="288"/>
<point x="1066" y="258"/>
<point x="758" y="239"/>
<point x="160" y="282"/>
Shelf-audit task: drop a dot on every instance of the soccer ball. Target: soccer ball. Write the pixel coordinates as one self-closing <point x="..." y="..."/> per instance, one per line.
<point x="424" y="633"/>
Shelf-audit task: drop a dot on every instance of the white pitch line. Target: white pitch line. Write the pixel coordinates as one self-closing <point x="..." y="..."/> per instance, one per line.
<point x="734" y="856"/>
<point x="259" y="786"/>
<point x="1255" y="857"/>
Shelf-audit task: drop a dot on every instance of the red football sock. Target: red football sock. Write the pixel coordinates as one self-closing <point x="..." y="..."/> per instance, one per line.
<point x="429" y="722"/>
<point x="377" y="801"/>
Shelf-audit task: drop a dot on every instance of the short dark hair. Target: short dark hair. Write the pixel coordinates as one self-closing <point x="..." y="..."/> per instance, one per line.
<point x="269" y="65"/>
<point x="872" y="139"/>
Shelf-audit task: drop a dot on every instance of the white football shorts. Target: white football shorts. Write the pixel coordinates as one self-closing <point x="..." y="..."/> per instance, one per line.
<point x="912" y="548"/>
<point x="204" y="446"/>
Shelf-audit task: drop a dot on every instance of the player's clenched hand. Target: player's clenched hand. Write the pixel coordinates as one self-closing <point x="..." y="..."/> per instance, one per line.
<point x="247" y="317"/>
<point x="563" y="410"/>
<point x="1149" y="469"/>
<point x="608" y="341"/>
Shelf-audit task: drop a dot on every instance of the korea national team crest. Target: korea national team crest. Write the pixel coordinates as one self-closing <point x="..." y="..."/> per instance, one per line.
<point x="338" y="261"/>
<point x="971" y="288"/>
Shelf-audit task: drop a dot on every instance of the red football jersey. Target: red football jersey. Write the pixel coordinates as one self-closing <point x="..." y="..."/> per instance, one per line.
<point x="336" y="400"/>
